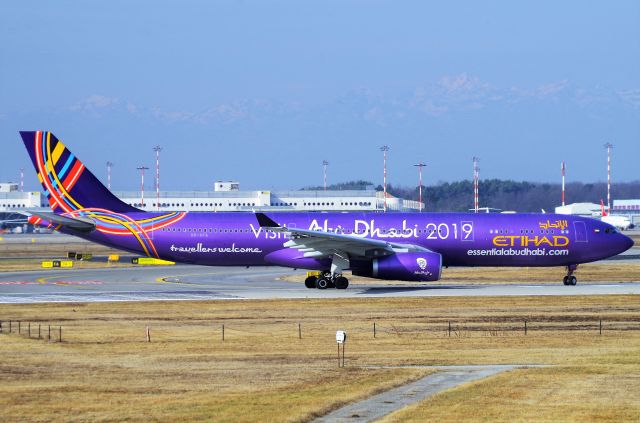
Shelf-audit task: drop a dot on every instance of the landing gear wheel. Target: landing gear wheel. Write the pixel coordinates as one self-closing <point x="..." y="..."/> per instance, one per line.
<point x="341" y="282"/>
<point x="310" y="282"/>
<point x="322" y="283"/>
<point x="570" y="279"/>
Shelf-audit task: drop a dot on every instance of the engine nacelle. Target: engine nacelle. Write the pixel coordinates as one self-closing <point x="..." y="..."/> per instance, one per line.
<point x="402" y="267"/>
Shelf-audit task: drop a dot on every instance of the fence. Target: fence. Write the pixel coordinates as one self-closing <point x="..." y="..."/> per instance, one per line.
<point x="176" y="331"/>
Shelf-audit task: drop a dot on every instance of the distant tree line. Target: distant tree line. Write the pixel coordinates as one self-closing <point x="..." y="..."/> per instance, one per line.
<point x="344" y="186"/>
<point x="501" y="194"/>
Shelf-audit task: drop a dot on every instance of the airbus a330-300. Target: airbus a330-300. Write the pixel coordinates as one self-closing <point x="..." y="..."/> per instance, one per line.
<point x="392" y="246"/>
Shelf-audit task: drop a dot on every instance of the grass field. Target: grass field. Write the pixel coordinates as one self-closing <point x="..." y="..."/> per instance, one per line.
<point x="105" y="370"/>
<point x="25" y="256"/>
<point x="41" y="248"/>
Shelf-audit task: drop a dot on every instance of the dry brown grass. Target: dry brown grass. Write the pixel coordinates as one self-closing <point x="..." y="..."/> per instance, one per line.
<point x="18" y="265"/>
<point x="104" y="369"/>
<point x="618" y="271"/>
<point x="603" y="389"/>
<point x="27" y="256"/>
<point x="40" y="248"/>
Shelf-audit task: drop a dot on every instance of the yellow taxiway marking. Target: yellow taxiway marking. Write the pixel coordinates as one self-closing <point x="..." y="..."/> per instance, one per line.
<point x="61" y="283"/>
<point x="162" y="279"/>
<point x="45" y="280"/>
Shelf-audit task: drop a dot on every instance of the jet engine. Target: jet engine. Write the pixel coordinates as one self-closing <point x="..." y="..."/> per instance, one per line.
<point x="412" y="266"/>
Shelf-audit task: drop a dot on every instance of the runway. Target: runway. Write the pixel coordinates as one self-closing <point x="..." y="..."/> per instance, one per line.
<point x="188" y="282"/>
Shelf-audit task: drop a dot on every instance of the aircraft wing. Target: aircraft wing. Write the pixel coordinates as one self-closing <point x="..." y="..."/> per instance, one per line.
<point x="320" y="244"/>
<point x="77" y="223"/>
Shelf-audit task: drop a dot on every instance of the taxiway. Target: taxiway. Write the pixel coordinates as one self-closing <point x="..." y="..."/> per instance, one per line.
<point x="188" y="282"/>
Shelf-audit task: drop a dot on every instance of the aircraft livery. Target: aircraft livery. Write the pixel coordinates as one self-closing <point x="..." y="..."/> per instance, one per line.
<point x="401" y="246"/>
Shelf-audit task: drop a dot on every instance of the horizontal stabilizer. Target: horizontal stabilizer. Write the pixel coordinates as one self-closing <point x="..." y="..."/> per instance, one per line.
<point x="76" y="223"/>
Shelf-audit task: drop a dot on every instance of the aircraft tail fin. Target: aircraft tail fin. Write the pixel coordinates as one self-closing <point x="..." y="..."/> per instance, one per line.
<point x="67" y="183"/>
<point x="604" y="212"/>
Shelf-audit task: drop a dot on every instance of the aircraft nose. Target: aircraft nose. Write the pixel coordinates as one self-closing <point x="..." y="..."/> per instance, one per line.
<point x="626" y="242"/>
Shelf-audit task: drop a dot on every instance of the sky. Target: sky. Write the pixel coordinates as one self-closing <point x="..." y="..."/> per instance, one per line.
<point x="263" y="91"/>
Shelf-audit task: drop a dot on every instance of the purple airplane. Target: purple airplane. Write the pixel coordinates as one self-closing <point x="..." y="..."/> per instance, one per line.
<point x="394" y="246"/>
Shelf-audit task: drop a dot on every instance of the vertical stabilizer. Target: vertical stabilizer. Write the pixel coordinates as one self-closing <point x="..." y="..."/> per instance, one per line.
<point x="67" y="183"/>
<point x="604" y="212"/>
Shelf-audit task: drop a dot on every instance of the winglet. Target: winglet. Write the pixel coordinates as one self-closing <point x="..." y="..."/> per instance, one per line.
<point x="266" y="222"/>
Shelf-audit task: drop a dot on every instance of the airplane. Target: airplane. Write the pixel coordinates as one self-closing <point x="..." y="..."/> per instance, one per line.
<point x="388" y="246"/>
<point x="621" y="222"/>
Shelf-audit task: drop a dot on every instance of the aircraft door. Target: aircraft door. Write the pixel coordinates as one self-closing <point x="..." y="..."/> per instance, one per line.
<point x="580" y="231"/>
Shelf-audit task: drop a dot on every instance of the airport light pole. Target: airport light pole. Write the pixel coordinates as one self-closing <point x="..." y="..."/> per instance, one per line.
<point x="420" y="166"/>
<point x="142" y="169"/>
<point x="608" y="146"/>
<point x="476" y="177"/>
<point x="157" y="149"/>
<point x="384" y="150"/>
<point x="21" y="180"/>
<point x="324" y="169"/>
<point x="563" y="169"/>
<point x="109" y="166"/>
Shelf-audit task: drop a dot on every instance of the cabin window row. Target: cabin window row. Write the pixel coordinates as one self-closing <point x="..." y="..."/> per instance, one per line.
<point x="344" y="231"/>
<point x="311" y="204"/>
<point x="203" y="230"/>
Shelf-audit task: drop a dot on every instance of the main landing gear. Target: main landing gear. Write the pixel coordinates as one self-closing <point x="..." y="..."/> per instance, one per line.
<point x="326" y="280"/>
<point x="331" y="278"/>
<point x="570" y="279"/>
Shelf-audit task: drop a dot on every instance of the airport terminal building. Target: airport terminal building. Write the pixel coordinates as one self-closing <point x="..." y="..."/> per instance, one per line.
<point x="299" y="201"/>
<point x="226" y="197"/>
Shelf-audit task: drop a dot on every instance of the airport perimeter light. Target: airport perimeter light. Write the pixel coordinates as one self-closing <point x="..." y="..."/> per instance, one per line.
<point x="420" y="166"/>
<point x="476" y="178"/>
<point x="608" y="146"/>
<point x="563" y="168"/>
<point x="157" y="149"/>
<point x="384" y="150"/>
<point x="324" y="169"/>
<point x="109" y="166"/>
<point x="142" y="169"/>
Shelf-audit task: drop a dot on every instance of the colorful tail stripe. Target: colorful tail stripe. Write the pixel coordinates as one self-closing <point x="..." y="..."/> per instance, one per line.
<point x="67" y="183"/>
<point x="74" y="191"/>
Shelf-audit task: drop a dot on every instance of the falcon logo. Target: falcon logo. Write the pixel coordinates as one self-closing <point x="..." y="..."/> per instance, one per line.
<point x="422" y="263"/>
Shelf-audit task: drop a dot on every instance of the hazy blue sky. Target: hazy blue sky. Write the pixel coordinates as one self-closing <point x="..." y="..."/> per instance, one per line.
<point x="263" y="91"/>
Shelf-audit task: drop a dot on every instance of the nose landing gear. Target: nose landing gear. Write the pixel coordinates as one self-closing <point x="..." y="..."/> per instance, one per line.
<point x="570" y="279"/>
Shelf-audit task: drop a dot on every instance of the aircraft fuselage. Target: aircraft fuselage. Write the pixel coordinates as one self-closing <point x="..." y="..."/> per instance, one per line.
<point x="463" y="239"/>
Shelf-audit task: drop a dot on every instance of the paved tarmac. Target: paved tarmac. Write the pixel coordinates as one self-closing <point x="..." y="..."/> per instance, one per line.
<point x="378" y="406"/>
<point x="188" y="282"/>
